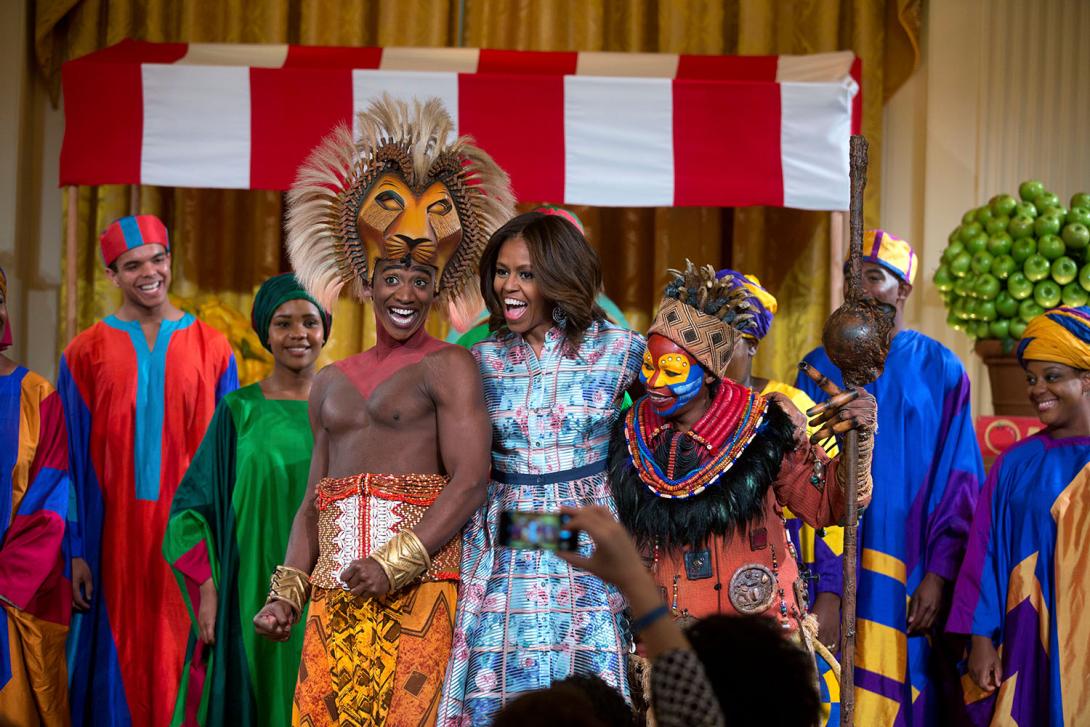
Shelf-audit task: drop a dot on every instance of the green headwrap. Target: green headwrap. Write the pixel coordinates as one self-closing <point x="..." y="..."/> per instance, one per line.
<point x="272" y="294"/>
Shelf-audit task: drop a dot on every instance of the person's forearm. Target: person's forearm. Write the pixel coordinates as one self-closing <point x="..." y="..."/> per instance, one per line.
<point x="662" y="634"/>
<point x="455" y="505"/>
<point x="302" y="551"/>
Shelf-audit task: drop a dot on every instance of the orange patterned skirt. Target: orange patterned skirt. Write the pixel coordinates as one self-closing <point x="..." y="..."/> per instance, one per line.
<point x="370" y="661"/>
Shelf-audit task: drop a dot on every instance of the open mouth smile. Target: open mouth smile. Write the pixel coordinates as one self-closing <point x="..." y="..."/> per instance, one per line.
<point x="402" y="317"/>
<point x="514" y="309"/>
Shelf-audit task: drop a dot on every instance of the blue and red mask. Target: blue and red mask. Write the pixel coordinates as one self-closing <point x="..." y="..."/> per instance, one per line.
<point x="673" y="378"/>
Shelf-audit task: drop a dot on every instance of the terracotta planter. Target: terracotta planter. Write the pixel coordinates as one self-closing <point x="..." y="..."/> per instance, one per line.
<point x="1007" y="379"/>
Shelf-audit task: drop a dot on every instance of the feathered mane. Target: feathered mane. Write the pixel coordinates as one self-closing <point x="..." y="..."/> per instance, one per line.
<point x="323" y="240"/>
<point x="735" y="500"/>
<point x="699" y="289"/>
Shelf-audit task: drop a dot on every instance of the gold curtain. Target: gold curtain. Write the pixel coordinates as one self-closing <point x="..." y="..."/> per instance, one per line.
<point x="227" y="242"/>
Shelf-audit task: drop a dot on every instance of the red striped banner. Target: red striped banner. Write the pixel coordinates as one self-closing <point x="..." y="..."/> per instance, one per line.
<point x="611" y="129"/>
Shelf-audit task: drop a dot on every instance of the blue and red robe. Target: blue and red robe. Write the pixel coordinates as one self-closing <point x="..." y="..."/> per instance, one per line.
<point x="35" y="597"/>
<point x="1024" y="584"/>
<point x="927" y="474"/>
<point x="136" y="416"/>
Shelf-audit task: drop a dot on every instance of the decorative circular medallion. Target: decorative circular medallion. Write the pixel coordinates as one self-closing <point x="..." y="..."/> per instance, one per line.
<point x="752" y="588"/>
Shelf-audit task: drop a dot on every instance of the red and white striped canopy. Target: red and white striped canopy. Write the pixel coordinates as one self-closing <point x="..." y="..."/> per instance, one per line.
<point x="610" y="129"/>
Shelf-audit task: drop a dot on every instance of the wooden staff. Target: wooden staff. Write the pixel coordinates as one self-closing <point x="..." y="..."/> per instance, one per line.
<point x="71" y="267"/>
<point x="856" y="338"/>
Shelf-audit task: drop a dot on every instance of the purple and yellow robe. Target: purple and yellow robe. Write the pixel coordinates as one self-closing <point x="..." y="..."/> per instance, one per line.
<point x="927" y="474"/>
<point x="1025" y="584"/>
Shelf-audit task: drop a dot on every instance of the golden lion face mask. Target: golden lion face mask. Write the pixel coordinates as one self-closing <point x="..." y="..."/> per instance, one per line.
<point x="396" y="222"/>
<point x="398" y="191"/>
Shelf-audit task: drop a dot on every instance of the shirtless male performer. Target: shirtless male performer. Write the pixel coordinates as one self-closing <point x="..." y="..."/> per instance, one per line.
<point x="401" y="434"/>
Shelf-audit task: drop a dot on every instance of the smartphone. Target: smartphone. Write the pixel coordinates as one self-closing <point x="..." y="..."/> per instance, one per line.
<point x="537" y="531"/>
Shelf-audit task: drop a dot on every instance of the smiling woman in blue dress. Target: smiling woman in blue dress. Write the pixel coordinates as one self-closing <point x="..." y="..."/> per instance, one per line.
<point x="555" y="372"/>
<point x="1025" y="581"/>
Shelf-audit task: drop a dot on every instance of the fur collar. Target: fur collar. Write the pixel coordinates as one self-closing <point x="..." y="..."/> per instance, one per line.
<point x="732" y="502"/>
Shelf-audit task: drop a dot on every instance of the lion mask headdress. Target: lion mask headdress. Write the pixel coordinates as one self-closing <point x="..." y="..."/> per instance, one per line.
<point x="398" y="191"/>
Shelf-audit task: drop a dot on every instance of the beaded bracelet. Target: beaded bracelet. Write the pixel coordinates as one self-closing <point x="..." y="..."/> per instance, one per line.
<point x="648" y="618"/>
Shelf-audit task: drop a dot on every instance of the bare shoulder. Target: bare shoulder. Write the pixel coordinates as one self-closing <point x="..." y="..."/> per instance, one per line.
<point x="326" y="380"/>
<point x="451" y="361"/>
<point x="451" y="371"/>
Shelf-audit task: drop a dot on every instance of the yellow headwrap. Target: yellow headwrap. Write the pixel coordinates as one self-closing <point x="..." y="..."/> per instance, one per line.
<point x="1061" y="335"/>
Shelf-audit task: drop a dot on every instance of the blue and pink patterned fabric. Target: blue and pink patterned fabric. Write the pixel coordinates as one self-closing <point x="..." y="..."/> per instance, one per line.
<point x="526" y="618"/>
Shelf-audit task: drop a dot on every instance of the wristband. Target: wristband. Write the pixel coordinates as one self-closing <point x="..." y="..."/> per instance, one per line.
<point x="290" y="585"/>
<point x="648" y="618"/>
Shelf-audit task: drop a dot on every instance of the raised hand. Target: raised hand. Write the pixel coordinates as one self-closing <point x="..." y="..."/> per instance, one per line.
<point x="843" y="412"/>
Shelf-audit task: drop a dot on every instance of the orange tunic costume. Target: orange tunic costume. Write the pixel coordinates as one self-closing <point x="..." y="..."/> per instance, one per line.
<point x="705" y="501"/>
<point x="726" y="550"/>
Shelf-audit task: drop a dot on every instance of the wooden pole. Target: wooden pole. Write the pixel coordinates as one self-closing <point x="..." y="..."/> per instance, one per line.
<point x="853" y="292"/>
<point x="71" y="267"/>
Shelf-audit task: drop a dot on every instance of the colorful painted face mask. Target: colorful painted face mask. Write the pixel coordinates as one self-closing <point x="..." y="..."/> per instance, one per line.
<point x="673" y="378"/>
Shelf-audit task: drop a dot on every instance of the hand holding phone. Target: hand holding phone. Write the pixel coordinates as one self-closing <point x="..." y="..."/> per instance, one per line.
<point x="523" y="530"/>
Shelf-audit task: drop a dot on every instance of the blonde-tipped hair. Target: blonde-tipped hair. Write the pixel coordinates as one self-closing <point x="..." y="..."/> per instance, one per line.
<point x="323" y="239"/>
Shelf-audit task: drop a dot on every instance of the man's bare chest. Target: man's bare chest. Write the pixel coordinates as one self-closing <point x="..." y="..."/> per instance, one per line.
<point x="399" y="402"/>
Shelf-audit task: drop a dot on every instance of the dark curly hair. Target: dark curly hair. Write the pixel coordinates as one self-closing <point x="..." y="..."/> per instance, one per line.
<point x="759" y="675"/>
<point x="566" y="269"/>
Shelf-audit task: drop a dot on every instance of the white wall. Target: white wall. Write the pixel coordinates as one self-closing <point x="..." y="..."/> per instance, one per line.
<point x="1000" y="96"/>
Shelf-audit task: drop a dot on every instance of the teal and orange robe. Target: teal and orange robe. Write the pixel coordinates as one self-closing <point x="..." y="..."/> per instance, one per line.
<point x="34" y="592"/>
<point x="927" y="474"/>
<point x="230" y="522"/>
<point x="136" y="415"/>
<point x="1025" y="584"/>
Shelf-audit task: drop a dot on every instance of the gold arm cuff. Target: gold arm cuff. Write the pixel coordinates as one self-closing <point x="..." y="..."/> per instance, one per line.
<point x="403" y="559"/>
<point x="290" y="585"/>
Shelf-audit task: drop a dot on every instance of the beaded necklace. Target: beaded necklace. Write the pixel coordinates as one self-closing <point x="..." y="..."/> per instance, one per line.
<point x="725" y="430"/>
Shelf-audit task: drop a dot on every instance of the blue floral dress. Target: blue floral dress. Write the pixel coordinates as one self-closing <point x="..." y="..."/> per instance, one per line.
<point x="525" y="618"/>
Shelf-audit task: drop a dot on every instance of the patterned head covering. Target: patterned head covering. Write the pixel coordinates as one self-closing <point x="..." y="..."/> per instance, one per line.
<point x="5" y="335"/>
<point x="1061" y="335"/>
<point x="704" y="315"/>
<point x="272" y="294"/>
<point x="402" y="189"/>
<point x="763" y="304"/>
<point x="130" y="232"/>
<point x="892" y="253"/>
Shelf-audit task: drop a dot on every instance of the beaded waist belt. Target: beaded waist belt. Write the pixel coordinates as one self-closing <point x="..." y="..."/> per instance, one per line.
<point x="360" y="513"/>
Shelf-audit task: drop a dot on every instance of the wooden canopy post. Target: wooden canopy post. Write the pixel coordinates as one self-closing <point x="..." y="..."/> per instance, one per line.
<point x="71" y="268"/>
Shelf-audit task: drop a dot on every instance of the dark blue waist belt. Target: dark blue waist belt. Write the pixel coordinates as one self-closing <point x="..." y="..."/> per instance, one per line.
<point x="549" y="478"/>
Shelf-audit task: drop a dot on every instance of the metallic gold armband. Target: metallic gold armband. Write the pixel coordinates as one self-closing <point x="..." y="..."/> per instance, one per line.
<point x="403" y="559"/>
<point x="290" y="585"/>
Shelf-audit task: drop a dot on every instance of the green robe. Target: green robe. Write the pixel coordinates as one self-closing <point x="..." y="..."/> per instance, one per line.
<point x="230" y="520"/>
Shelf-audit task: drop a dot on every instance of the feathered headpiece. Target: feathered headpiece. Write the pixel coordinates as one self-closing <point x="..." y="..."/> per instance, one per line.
<point x="703" y="315"/>
<point x="339" y="223"/>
